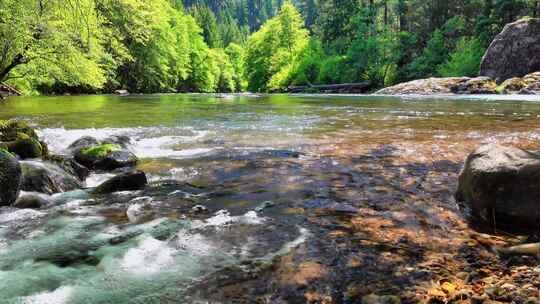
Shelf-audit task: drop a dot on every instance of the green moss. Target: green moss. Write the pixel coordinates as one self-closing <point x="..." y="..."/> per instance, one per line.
<point x="100" y="151"/>
<point x="11" y="130"/>
<point x="25" y="147"/>
<point x="500" y="89"/>
<point x="4" y="151"/>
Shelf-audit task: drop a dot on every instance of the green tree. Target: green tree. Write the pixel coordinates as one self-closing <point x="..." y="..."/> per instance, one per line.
<point x="272" y="50"/>
<point x="43" y="42"/>
<point x="208" y="22"/>
<point x="465" y="60"/>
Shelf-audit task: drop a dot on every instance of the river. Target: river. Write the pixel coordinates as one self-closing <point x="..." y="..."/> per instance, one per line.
<point x="310" y="198"/>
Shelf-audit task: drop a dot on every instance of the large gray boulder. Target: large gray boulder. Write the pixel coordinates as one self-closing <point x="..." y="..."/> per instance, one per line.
<point x="515" y="52"/>
<point x="10" y="178"/>
<point x="45" y="177"/>
<point x="502" y="186"/>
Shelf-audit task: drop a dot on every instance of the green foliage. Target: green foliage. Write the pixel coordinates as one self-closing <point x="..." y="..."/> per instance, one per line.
<point x="207" y="20"/>
<point x="272" y="51"/>
<point x="465" y="60"/>
<point x="53" y="42"/>
<point x="434" y="54"/>
<point x="94" y="46"/>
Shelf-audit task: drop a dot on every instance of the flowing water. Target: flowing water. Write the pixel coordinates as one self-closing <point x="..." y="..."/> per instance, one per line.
<point x="278" y="174"/>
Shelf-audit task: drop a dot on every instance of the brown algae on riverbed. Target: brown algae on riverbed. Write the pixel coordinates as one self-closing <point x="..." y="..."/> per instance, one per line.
<point x="370" y="181"/>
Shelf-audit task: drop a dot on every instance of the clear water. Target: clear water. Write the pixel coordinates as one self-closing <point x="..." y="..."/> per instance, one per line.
<point x="232" y="155"/>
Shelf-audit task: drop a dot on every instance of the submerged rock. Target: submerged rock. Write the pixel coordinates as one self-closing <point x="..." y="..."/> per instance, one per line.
<point x="140" y="209"/>
<point x="449" y="85"/>
<point x="502" y="186"/>
<point x="375" y="299"/>
<point x="10" y="178"/>
<point x="46" y="177"/>
<point x="30" y="201"/>
<point x="135" y="180"/>
<point x="106" y="157"/>
<point x="199" y="209"/>
<point x="515" y="52"/>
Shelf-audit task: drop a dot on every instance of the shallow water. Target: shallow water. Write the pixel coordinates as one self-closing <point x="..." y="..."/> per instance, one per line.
<point x="260" y="164"/>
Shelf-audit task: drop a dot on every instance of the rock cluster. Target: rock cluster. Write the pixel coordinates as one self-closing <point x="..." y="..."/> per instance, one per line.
<point x="47" y="174"/>
<point x="527" y="85"/>
<point x="449" y="85"/>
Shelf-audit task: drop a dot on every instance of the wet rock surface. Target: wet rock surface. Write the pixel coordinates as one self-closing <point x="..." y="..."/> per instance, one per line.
<point x="135" y="180"/>
<point x="10" y="178"/>
<point x="515" y="52"/>
<point x="30" y="201"/>
<point x="46" y="177"/>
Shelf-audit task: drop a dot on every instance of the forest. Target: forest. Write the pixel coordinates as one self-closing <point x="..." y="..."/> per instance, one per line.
<point x="150" y="46"/>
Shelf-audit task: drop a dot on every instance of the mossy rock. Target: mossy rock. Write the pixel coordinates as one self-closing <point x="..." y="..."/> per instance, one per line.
<point x="106" y="157"/>
<point x="100" y="151"/>
<point x="19" y="138"/>
<point x="25" y="147"/>
<point x="12" y="130"/>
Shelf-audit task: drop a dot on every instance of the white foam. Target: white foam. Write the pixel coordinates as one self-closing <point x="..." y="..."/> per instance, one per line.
<point x="152" y="142"/>
<point x="59" y="296"/>
<point x="149" y="257"/>
<point x="19" y="215"/>
<point x="223" y="218"/>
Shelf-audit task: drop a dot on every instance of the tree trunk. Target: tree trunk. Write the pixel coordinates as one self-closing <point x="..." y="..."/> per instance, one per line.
<point x="19" y="59"/>
<point x="385" y="13"/>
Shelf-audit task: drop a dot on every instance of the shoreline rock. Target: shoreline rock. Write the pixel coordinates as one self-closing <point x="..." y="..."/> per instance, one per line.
<point x="528" y="85"/>
<point x="448" y="85"/>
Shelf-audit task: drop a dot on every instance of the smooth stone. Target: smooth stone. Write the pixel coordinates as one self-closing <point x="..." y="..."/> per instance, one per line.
<point x="45" y="177"/>
<point x="30" y="201"/>
<point x="501" y="185"/>
<point x="129" y="181"/>
<point x="10" y="178"/>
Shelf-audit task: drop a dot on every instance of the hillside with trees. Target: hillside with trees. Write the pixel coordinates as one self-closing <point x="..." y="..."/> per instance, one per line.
<point x="93" y="46"/>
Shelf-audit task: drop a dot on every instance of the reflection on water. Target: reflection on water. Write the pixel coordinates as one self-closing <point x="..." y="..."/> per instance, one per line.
<point x="274" y="173"/>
